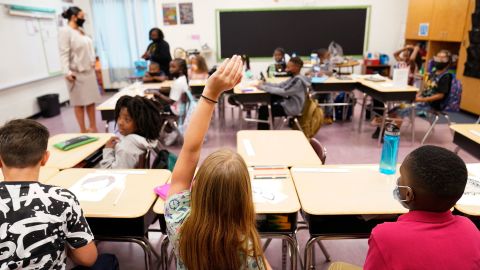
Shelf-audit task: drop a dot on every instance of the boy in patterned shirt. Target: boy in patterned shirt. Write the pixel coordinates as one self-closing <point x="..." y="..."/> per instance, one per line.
<point x="40" y="225"/>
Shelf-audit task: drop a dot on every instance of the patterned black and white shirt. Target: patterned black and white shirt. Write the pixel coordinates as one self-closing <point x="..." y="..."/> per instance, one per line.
<point x="36" y="223"/>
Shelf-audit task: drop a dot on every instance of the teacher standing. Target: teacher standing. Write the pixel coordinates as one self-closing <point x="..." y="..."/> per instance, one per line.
<point x="78" y="64"/>
<point x="158" y="51"/>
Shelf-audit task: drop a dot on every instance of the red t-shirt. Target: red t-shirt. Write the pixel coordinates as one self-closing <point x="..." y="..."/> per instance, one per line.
<point x="425" y="240"/>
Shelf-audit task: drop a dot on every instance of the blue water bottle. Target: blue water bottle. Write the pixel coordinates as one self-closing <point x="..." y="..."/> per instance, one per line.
<point x="391" y="141"/>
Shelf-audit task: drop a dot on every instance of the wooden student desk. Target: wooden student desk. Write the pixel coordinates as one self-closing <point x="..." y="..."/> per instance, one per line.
<point x="472" y="211"/>
<point x="336" y="199"/>
<point x="276" y="148"/>
<point x="467" y="137"/>
<point x="129" y="219"/>
<point x="68" y="159"/>
<point x="45" y="174"/>
<point x="107" y="108"/>
<point x="384" y="91"/>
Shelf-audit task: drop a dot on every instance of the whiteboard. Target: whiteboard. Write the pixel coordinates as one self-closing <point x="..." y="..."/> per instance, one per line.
<point x="29" y="49"/>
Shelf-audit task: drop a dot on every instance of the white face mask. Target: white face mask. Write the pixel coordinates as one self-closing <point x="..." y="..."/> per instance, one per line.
<point x="396" y="194"/>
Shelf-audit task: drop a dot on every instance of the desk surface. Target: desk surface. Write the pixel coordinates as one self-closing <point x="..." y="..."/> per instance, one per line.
<point x="351" y="63"/>
<point x="135" y="201"/>
<point x="289" y="204"/>
<point x="466" y="130"/>
<point x="279" y="187"/>
<point x="45" y="174"/>
<point x="276" y="147"/>
<point x="197" y="83"/>
<point x="473" y="210"/>
<point x="68" y="159"/>
<point x="386" y="86"/>
<point x="346" y="190"/>
<point x="131" y="90"/>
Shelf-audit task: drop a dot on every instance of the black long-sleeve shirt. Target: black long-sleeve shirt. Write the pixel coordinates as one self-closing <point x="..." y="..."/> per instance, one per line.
<point x="160" y="53"/>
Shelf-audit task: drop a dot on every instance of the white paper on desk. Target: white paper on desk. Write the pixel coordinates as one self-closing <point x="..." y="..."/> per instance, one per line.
<point x="93" y="187"/>
<point x="471" y="196"/>
<point x="268" y="191"/>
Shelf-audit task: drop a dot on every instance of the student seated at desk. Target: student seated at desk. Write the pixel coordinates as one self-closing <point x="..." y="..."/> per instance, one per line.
<point x="172" y="103"/>
<point x="288" y="97"/>
<point x="281" y="59"/>
<point x="324" y="69"/>
<point x="154" y="74"/>
<point x="211" y="223"/>
<point x="432" y="180"/>
<point x="139" y="122"/>
<point x="434" y="97"/>
<point x="198" y="68"/>
<point x="40" y="224"/>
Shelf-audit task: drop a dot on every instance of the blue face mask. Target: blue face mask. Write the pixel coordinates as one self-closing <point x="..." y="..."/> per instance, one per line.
<point x="396" y="194"/>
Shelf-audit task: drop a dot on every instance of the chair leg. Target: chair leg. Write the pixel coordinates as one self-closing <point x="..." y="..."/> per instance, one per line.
<point x="430" y="129"/>
<point x="283" y="122"/>
<point x="449" y="123"/>
<point x="297" y="124"/>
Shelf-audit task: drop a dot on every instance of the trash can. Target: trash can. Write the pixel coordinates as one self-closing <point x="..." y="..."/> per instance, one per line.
<point x="49" y="105"/>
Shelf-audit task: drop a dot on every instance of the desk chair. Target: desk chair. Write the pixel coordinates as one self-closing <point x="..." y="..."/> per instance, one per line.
<point x="434" y="117"/>
<point x="319" y="149"/>
<point x="247" y="103"/>
<point x="292" y="119"/>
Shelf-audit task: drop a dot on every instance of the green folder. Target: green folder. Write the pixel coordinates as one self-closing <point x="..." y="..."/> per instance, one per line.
<point x="75" y="142"/>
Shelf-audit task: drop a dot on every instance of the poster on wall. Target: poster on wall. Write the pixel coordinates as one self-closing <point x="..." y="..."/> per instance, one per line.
<point x="169" y="14"/>
<point x="423" y="29"/>
<point x="186" y="13"/>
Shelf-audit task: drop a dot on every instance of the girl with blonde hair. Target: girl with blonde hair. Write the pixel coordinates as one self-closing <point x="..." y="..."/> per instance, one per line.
<point x="211" y="222"/>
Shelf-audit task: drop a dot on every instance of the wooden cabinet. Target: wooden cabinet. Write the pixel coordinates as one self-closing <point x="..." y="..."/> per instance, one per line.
<point x="448" y="19"/>
<point x="419" y="11"/>
<point x="471" y="86"/>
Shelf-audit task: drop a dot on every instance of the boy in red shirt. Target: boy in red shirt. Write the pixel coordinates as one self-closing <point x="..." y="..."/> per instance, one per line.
<point x="432" y="179"/>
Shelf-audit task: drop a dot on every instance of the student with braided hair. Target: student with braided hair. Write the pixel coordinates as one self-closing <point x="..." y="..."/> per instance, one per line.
<point x="139" y="122"/>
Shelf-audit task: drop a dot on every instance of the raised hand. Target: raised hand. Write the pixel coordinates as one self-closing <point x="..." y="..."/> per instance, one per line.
<point x="225" y="78"/>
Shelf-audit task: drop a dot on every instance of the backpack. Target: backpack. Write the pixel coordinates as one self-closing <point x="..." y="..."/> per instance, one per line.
<point x="312" y="117"/>
<point x="452" y="102"/>
<point x="163" y="159"/>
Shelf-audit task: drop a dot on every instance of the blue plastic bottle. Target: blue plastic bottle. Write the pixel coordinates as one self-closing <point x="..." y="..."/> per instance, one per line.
<point x="391" y="141"/>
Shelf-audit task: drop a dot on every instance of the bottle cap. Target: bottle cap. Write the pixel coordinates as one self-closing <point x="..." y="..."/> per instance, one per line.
<point x="392" y="129"/>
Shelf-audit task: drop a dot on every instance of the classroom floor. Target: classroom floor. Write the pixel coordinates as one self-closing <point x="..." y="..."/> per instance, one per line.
<point x="344" y="146"/>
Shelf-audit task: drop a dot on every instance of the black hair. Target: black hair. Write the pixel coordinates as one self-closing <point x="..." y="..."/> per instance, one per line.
<point x="183" y="66"/>
<point x="280" y="49"/>
<point x="297" y="61"/>
<point x="23" y="142"/>
<point x="152" y="63"/>
<point x="159" y="32"/>
<point x="144" y="112"/>
<point x="438" y="172"/>
<point x="71" y="11"/>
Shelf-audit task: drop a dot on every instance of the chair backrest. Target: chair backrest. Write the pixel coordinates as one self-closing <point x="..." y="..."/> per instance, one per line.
<point x="144" y="161"/>
<point x="319" y="149"/>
